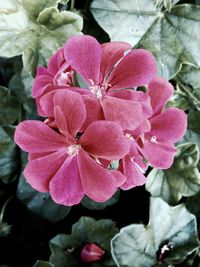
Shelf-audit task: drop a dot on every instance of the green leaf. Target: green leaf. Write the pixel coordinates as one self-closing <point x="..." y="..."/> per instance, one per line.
<point x="143" y="24"/>
<point x="9" y="107"/>
<point x="21" y="87"/>
<point x="63" y="251"/>
<point x="9" y="158"/>
<point x="189" y="84"/>
<point x="182" y="179"/>
<point x="92" y="205"/>
<point x="89" y="230"/>
<point x="21" y="33"/>
<point x="40" y="203"/>
<point x="172" y="228"/>
<point x="35" y="7"/>
<point x="66" y="248"/>
<point x="178" y="100"/>
<point x="43" y="264"/>
<point x="193" y="131"/>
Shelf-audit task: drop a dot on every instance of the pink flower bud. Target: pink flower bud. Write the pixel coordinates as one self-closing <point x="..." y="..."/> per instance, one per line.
<point x="91" y="252"/>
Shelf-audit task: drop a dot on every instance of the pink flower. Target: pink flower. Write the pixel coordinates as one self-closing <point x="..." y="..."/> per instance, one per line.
<point x="106" y="69"/>
<point x="153" y="141"/>
<point x="58" y="74"/>
<point x="91" y="253"/>
<point x="167" y="127"/>
<point x="65" y="161"/>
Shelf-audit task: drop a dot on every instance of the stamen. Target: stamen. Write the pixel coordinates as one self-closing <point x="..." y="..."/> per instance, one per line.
<point x="130" y="137"/>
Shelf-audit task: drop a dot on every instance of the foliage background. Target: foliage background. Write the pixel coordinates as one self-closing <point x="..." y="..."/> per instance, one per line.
<point x="30" y="32"/>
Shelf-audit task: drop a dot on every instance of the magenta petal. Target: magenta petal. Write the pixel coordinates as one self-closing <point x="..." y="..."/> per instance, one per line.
<point x="56" y="61"/>
<point x="40" y="85"/>
<point x="66" y="187"/>
<point x="45" y="103"/>
<point x="129" y="114"/>
<point x="137" y="96"/>
<point x="112" y="52"/>
<point x="83" y="53"/>
<point x="119" y="177"/>
<point x="105" y="139"/>
<point x="73" y="109"/>
<point x="41" y="170"/>
<point x="93" y="109"/>
<point x="37" y="137"/>
<point x="169" y="126"/>
<point x="133" y="173"/>
<point x="137" y="68"/>
<point x="159" y="90"/>
<point x="160" y="156"/>
<point x="98" y="183"/>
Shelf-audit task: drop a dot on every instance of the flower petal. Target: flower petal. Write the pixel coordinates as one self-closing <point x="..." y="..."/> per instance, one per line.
<point x="160" y="156"/>
<point x="137" y="96"/>
<point x="83" y="53"/>
<point x="98" y="183"/>
<point x="41" y="84"/>
<point x="41" y="170"/>
<point x="129" y="114"/>
<point x="105" y="139"/>
<point x="93" y="109"/>
<point x="37" y="137"/>
<point x="56" y="61"/>
<point x="73" y="109"/>
<point x="45" y="103"/>
<point x="159" y="90"/>
<point x="133" y="173"/>
<point x="137" y="68"/>
<point x="65" y="187"/>
<point x="112" y="52"/>
<point x="119" y="177"/>
<point x="169" y="126"/>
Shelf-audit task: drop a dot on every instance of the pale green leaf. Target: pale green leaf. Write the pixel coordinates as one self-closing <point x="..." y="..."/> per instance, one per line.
<point x="173" y="36"/>
<point x="189" y="84"/>
<point x="182" y="179"/>
<point x="20" y="33"/>
<point x="140" y="246"/>
<point x="35" y="7"/>
<point x="193" y="131"/>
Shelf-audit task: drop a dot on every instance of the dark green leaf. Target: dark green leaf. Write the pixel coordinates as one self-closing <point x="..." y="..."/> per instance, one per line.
<point x="9" y="107"/>
<point x="43" y="264"/>
<point x="89" y="230"/>
<point x="92" y="205"/>
<point x="9" y="156"/>
<point x="182" y="179"/>
<point x="151" y="27"/>
<point x="66" y="249"/>
<point x="140" y="246"/>
<point x="40" y="203"/>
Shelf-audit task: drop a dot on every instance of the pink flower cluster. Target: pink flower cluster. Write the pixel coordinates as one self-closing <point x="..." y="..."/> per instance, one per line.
<point x="88" y="128"/>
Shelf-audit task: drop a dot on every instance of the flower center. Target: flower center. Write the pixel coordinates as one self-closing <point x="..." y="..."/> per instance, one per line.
<point x="73" y="150"/>
<point x="98" y="90"/>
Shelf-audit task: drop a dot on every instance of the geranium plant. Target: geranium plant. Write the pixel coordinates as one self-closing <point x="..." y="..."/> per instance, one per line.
<point x="99" y="107"/>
